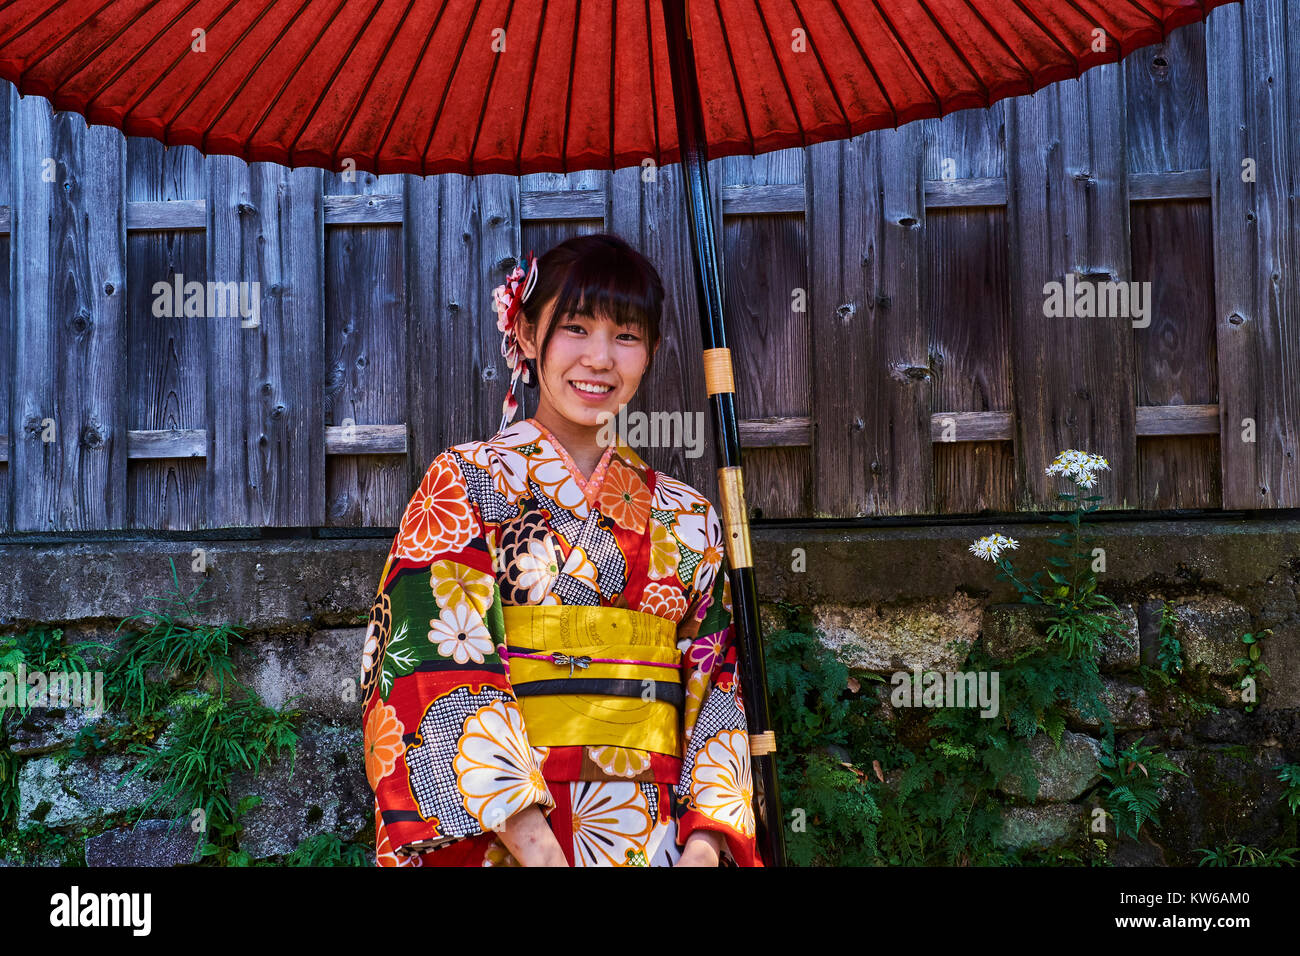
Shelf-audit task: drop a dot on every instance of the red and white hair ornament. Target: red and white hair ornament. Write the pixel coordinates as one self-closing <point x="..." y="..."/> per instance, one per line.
<point x="506" y="299"/>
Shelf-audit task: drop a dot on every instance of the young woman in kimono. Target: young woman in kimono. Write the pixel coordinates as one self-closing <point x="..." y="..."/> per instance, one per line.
<point x="549" y="674"/>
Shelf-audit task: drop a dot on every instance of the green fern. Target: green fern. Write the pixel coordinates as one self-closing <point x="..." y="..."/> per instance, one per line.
<point x="1134" y="776"/>
<point x="1289" y="774"/>
<point x="1238" y="854"/>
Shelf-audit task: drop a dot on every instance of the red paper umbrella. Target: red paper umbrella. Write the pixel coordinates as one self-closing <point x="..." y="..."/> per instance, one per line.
<point x="499" y="86"/>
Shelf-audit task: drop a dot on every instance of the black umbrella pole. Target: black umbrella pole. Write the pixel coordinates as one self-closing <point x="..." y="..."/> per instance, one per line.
<point x="719" y="382"/>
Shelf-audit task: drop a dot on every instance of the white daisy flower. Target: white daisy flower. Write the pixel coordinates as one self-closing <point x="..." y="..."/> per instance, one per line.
<point x="986" y="548"/>
<point x="461" y="635"/>
<point x="538" y="568"/>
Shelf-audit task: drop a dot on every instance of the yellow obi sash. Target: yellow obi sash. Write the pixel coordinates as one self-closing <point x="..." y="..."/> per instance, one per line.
<point x="571" y="693"/>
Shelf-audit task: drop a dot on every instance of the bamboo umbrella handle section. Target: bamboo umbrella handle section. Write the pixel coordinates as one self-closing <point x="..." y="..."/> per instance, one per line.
<point x="717" y="371"/>
<point x="720" y="382"/>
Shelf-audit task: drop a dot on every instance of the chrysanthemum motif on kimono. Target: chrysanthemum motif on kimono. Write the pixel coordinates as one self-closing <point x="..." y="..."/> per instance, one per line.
<point x="461" y="634"/>
<point x="624" y="497"/>
<point x="438" y="518"/>
<point x="620" y="761"/>
<point x="610" y="824"/>
<point x="721" y="783"/>
<point x="508" y="524"/>
<point x="664" y="553"/>
<point x="455" y="585"/>
<point x="497" y="772"/>
<point x="383" y="739"/>
<point x="663" y="601"/>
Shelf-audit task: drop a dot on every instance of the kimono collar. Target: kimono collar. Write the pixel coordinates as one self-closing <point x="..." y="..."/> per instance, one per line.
<point x="591" y="487"/>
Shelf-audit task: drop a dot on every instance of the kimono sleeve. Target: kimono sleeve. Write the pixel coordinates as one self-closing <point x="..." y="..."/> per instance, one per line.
<point x="716" y="782"/>
<point x="447" y="754"/>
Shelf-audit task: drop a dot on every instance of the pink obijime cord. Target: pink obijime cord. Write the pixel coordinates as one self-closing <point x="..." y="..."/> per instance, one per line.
<point x="559" y="658"/>
<point x="562" y="659"/>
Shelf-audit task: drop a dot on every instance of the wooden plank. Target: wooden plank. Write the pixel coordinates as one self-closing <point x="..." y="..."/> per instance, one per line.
<point x="266" y="451"/>
<point x="69" y="360"/>
<point x="365" y="347"/>
<point x="1255" y="254"/>
<point x="958" y="427"/>
<point x="966" y="298"/>
<point x="900" y="332"/>
<point x="840" y="251"/>
<point x="160" y="215"/>
<point x="461" y="238"/>
<point x="762" y="199"/>
<point x="1167" y="113"/>
<point x="1167" y="420"/>
<point x="1151" y="420"/>
<point x="737" y="200"/>
<point x="768" y="331"/>
<point x="344" y="440"/>
<point x="773" y="432"/>
<point x="383" y="206"/>
<point x="1068" y="221"/>
<point x="974" y="191"/>
<point x="965" y="301"/>
<point x="1172" y="184"/>
<point x="776" y="431"/>
<point x="386" y="440"/>
<point x="152" y="444"/>
<point x="1174" y="355"/>
<point x="166" y="389"/>
<point x="1167" y="127"/>
<point x="587" y="199"/>
<point x="872" y="404"/>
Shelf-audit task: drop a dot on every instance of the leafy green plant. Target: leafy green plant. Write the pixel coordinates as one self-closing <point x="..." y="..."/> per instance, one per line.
<point x="915" y="786"/>
<point x="1253" y="667"/>
<point x="1082" y="615"/>
<point x="222" y="846"/>
<point x="1134" y="776"/>
<point x="1289" y="774"/>
<point x="38" y="844"/>
<point x="831" y="817"/>
<point x="326" y="849"/>
<point x="1170" y="655"/>
<point x="214" y="738"/>
<point x="42" y="649"/>
<point x="1237" y="854"/>
<point x="170" y="652"/>
<point x="938" y="803"/>
<point x="177" y="675"/>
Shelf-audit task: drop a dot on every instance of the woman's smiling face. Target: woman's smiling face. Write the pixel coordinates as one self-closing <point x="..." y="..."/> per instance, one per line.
<point x="605" y="359"/>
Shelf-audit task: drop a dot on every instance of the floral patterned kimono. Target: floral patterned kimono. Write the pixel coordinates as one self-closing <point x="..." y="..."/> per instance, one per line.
<point x="538" y="639"/>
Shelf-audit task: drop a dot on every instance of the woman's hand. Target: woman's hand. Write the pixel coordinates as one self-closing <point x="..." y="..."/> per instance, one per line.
<point x="530" y="839"/>
<point x="703" y="848"/>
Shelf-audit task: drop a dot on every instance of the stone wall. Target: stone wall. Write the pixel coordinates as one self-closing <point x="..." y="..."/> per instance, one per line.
<point x="886" y="599"/>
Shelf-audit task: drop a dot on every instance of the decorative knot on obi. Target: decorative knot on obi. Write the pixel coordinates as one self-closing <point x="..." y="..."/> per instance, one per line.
<point x="628" y="692"/>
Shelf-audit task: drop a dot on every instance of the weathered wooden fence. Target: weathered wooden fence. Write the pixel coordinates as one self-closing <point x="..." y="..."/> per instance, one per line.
<point x="885" y="305"/>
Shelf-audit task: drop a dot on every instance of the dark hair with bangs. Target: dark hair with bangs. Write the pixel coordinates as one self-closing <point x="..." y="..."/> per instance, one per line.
<point x="596" y="275"/>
